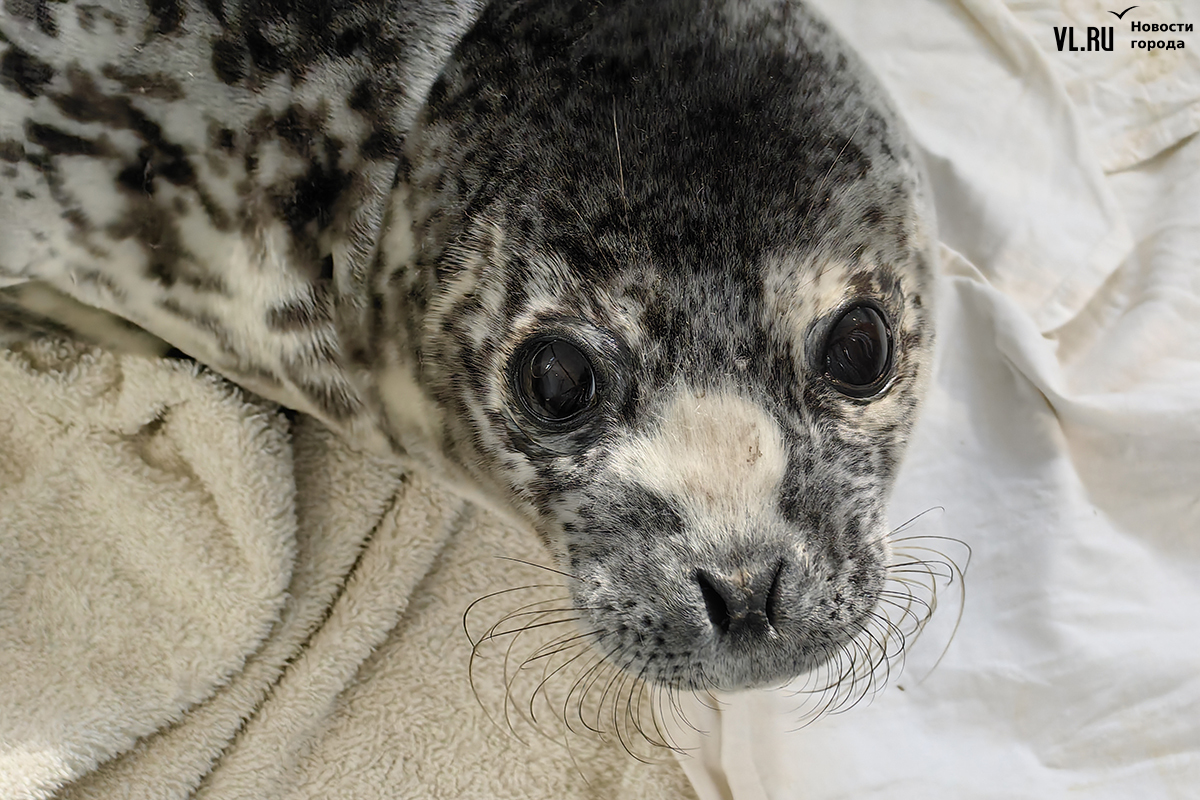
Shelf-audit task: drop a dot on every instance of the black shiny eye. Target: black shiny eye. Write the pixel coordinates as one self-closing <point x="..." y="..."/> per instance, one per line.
<point x="858" y="352"/>
<point x="555" y="380"/>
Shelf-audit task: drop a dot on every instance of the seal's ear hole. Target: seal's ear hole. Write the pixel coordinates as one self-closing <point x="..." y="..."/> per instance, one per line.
<point x="554" y="380"/>
<point x="858" y="352"/>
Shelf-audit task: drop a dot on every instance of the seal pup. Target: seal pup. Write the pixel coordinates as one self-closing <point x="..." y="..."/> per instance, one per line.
<point x="655" y="277"/>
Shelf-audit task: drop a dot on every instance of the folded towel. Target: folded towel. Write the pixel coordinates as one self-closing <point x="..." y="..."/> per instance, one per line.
<point x="203" y="596"/>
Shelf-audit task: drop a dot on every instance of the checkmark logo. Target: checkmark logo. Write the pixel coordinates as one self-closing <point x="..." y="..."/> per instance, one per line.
<point x="1123" y="13"/>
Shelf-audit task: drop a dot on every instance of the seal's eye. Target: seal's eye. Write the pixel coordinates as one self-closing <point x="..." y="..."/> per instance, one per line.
<point x="555" y="380"/>
<point x="858" y="352"/>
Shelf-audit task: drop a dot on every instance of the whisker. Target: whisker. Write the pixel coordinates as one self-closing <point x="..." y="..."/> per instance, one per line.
<point x="542" y="567"/>
<point x="562" y="645"/>
<point x="620" y="164"/>
<point x="908" y="522"/>
<point x="547" y="678"/>
<point x="496" y="594"/>
<point x="583" y="685"/>
<point x="618" y="674"/>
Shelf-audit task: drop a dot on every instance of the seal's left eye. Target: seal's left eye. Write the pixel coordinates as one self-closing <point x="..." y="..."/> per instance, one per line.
<point x="555" y="380"/>
<point x="858" y="352"/>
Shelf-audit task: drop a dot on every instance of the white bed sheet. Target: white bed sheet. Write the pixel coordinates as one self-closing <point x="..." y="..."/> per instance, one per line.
<point x="1061" y="439"/>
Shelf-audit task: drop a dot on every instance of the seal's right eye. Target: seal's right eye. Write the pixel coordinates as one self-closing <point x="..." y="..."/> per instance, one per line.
<point x="858" y="353"/>
<point x="554" y="380"/>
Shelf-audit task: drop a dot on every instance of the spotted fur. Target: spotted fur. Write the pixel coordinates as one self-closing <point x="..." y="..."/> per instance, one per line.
<point x="364" y="209"/>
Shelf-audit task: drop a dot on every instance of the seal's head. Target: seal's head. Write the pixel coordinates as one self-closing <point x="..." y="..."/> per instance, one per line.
<point x="675" y="300"/>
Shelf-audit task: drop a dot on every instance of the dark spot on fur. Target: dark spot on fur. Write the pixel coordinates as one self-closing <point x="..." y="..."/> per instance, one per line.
<point x="24" y="194"/>
<point x="362" y="96"/>
<point x="227" y="61"/>
<point x="36" y="11"/>
<point x="863" y="283"/>
<point x="168" y="163"/>
<point x="297" y="316"/>
<point x="153" y="228"/>
<point x="11" y="151"/>
<point x="168" y="261"/>
<point x="311" y="197"/>
<point x="326" y="273"/>
<point x="216" y="215"/>
<point x="20" y="72"/>
<point x="217" y="9"/>
<point x="298" y="128"/>
<point x="77" y="219"/>
<point x="348" y="41"/>
<point x="88" y="13"/>
<point x="263" y="54"/>
<point x="250" y="164"/>
<point x="382" y="144"/>
<point x="874" y="216"/>
<point x="220" y="138"/>
<point x="60" y="143"/>
<point x="166" y="14"/>
<point x="889" y="284"/>
<point x="439" y="92"/>
<point x="135" y="178"/>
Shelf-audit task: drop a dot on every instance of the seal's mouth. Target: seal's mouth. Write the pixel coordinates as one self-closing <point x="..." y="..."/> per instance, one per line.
<point x="599" y="654"/>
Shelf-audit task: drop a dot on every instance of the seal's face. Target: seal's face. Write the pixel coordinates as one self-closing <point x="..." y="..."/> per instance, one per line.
<point x="717" y="494"/>
<point x="684" y="328"/>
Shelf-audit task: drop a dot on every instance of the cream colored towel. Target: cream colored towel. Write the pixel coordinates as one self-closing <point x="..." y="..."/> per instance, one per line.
<point x="199" y="597"/>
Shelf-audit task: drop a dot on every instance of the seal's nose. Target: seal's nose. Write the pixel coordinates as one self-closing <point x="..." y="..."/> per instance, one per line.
<point x="743" y="600"/>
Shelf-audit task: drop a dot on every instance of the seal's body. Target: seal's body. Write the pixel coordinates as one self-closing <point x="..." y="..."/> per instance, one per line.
<point x="653" y="275"/>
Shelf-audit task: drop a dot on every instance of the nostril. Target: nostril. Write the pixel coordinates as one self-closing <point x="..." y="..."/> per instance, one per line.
<point x="714" y="602"/>
<point x="771" y="607"/>
<point x="747" y="601"/>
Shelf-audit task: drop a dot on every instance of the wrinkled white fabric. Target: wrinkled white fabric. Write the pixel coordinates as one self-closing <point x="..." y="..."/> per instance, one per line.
<point x="1061" y="440"/>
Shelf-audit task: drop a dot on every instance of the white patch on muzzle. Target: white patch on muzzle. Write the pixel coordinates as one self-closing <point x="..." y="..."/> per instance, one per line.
<point x="717" y="454"/>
